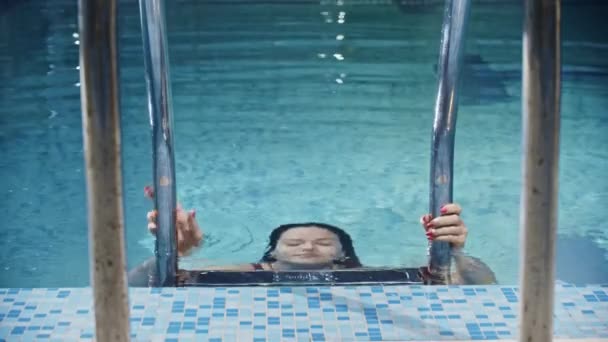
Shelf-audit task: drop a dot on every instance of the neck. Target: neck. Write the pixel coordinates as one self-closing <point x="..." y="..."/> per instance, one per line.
<point x="288" y="266"/>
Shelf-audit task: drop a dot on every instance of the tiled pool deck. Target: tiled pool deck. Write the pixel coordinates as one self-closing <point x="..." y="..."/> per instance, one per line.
<point x="346" y="313"/>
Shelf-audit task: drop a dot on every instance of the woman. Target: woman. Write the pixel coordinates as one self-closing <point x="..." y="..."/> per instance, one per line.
<point x="320" y="246"/>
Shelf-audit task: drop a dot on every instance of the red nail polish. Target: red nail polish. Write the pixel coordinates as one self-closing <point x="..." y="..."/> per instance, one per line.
<point x="149" y="191"/>
<point x="193" y="214"/>
<point x="429" y="225"/>
<point x="444" y="210"/>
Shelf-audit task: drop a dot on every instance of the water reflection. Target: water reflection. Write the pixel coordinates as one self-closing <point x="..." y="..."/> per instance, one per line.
<point x="268" y="134"/>
<point x="582" y="259"/>
<point x="481" y="83"/>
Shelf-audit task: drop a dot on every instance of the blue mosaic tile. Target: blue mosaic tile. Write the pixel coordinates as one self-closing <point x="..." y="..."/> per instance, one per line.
<point x="362" y="313"/>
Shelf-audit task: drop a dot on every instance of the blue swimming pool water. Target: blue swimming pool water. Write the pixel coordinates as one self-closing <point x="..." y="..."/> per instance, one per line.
<point x="296" y="112"/>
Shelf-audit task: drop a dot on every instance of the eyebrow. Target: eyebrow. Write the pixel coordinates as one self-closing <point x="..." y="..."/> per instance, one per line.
<point x="301" y="240"/>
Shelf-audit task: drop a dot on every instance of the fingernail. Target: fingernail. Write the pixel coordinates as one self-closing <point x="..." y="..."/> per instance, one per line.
<point x="430" y="234"/>
<point x="193" y="213"/>
<point x="443" y="210"/>
<point x="429" y="225"/>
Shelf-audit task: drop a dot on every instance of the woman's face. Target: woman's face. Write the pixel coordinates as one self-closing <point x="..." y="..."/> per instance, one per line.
<point x="308" y="246"/>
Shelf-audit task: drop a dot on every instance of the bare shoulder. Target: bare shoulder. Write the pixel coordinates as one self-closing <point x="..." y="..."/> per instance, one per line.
<point x="204" y="265"/>
<point x="472" y="271"/>
<point x="240" y="267"/>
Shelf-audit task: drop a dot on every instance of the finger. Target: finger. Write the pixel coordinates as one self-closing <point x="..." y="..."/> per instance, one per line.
<point x="183" y="244"/>
<point x="190" y="241"/>
<point x="182" y="220"/>
<point x="456" y="240"/>
<point x="197" y="234"/>
<point x="180" y="228"/>
<point x="152" y="228"/>
<point x="449" y="230"/>
<point x="451" y="209"/>
<point x="198" y="237"/>
<point x="180" y="238"/>
<point x="149" y="191"/>
<point x="151" y="216"/>
<point x="192" y="220"/>
<point x="443" y="221"/>
<point x="424" y="219"/>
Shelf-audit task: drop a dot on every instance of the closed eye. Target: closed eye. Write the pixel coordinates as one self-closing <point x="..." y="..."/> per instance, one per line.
<point x="325" y="243"/>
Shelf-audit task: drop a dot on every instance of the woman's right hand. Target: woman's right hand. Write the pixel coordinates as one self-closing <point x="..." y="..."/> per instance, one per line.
<point x="189" y="234"/>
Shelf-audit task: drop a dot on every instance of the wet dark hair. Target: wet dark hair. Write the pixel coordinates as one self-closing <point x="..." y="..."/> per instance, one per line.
<point x="350" y="257"/>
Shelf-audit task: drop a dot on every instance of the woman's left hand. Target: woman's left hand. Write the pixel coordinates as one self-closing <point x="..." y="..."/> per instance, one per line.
<point x="447" y="227"/>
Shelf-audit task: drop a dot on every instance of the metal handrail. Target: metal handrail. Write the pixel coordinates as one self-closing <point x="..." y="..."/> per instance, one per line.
<point x="541" y="124"/>
<point x="156" y="61"/>
<point x="444" y="128"/>
<point x="101" y="130"/>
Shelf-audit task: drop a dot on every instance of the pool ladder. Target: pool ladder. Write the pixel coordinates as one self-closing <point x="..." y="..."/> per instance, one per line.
<point x="101" y="128"/>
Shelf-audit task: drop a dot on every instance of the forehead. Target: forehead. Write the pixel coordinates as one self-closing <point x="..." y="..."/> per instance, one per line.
<point x="308" y="233"/>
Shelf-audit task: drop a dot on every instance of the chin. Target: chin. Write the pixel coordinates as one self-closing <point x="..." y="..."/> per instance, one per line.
<point x="312" y="261"/>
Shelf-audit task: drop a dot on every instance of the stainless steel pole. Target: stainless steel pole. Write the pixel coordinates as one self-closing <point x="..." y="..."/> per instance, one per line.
<point x="444" y="127"/>
<point x="101" y="130"/>
<point x="156" y="61"/>
<point x="541" y="124"/>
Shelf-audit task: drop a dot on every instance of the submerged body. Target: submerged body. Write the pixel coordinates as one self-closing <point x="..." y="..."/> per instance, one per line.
<point x="317" y="246"/>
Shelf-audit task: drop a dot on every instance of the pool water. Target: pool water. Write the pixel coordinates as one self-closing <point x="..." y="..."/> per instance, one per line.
<point x="298" y="111"/>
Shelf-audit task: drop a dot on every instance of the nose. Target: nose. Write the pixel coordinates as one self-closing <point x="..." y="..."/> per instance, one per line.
<point x="307" y="246"/>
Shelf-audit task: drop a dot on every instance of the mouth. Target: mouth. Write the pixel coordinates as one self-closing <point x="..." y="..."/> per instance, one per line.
<point x="306" y="255"/>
